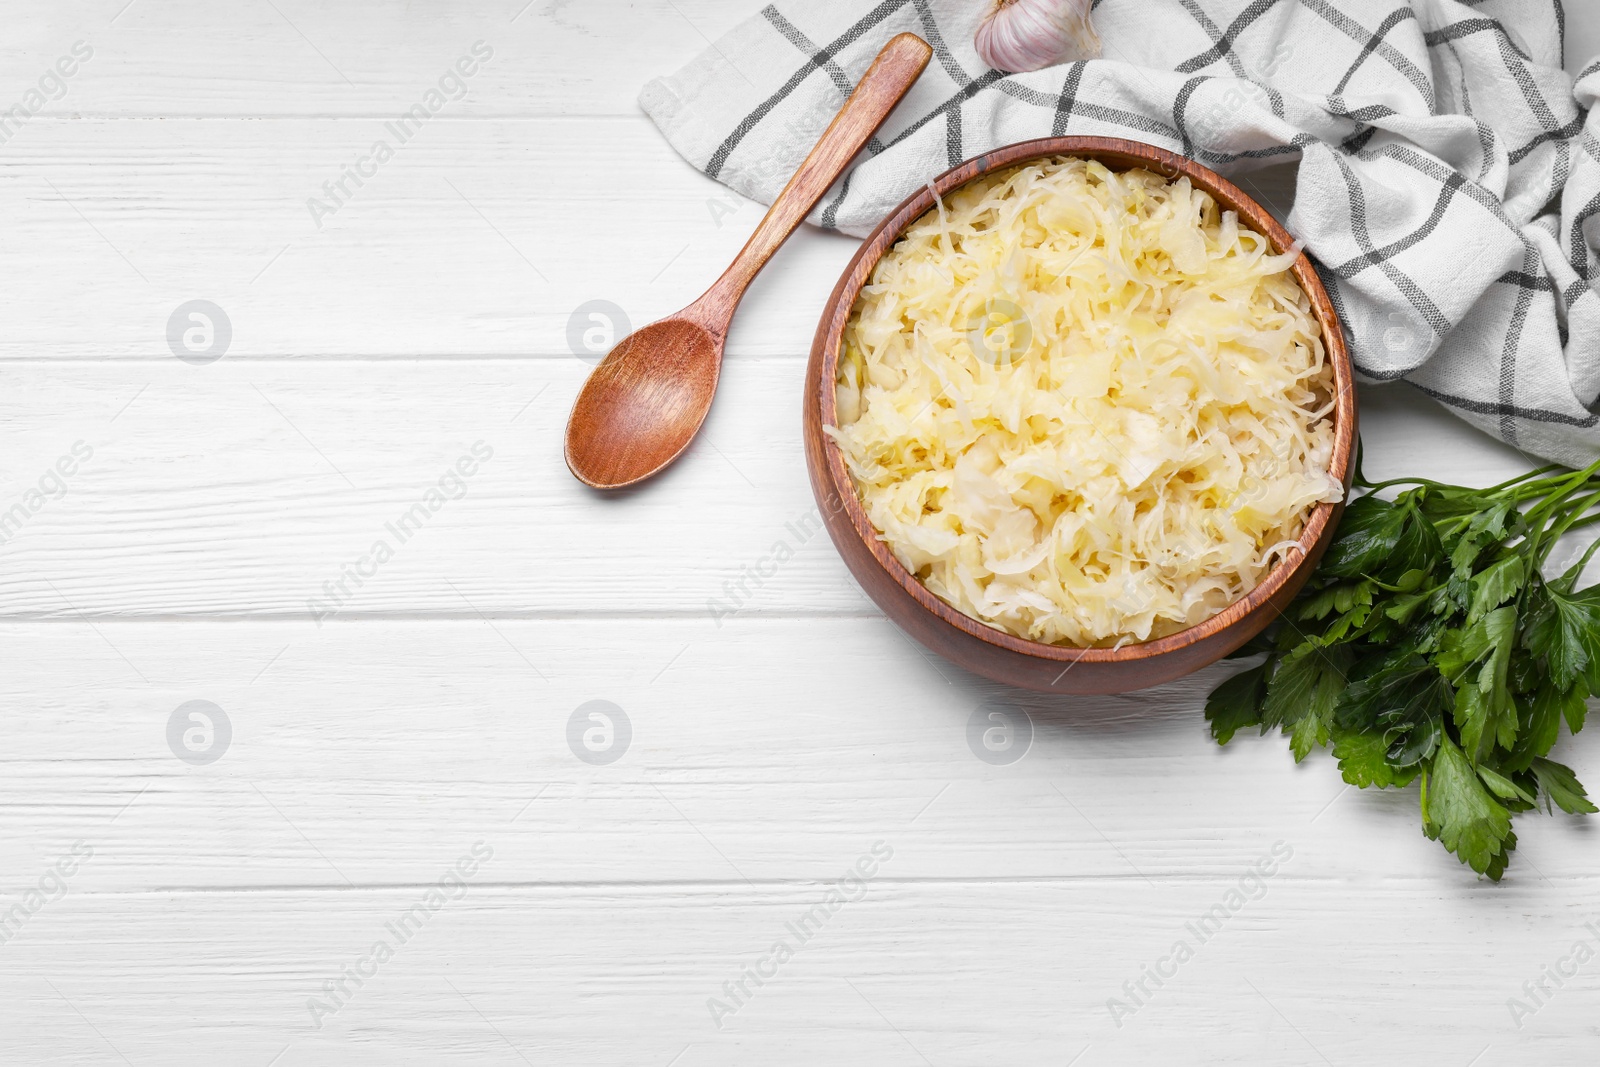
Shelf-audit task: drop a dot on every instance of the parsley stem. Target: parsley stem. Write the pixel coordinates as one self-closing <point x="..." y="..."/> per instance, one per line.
<point x="1588" y="554"/>
<point x="1588" y="520"/>
<point x="1535" y="473"/>
<point x="1521" y="483"/>
<point x="1404" y="481"/>
<point x="1558" y="494"/>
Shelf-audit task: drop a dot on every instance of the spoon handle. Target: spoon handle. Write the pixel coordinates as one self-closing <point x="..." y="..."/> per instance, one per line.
<point x="891" y="75"/>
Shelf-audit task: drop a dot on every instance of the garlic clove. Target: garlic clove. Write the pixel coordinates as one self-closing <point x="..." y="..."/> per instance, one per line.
<point x="1023" y="35"/>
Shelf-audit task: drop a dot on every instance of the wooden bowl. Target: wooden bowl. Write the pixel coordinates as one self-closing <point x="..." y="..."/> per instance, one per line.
<point x="968" y="642"/>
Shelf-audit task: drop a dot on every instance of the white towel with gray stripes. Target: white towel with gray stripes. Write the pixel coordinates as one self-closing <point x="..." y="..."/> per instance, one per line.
<point x="1448" y="168"/>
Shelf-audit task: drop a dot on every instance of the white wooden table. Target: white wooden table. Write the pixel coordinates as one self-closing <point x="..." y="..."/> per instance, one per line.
<point x="382" y="732"/>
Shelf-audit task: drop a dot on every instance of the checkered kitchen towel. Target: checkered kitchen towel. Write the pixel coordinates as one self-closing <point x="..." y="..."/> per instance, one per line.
<point x="1449" y="172"/>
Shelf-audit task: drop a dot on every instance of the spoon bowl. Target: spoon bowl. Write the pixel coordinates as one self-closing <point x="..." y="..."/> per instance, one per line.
<point x="645" y="402"/>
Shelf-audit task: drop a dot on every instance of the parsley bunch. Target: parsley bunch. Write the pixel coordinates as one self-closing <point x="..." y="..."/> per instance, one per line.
<point x="1429" y="645"/>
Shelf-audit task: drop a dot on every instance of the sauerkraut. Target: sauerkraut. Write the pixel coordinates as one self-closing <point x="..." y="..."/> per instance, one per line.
<point x="1085" y="407"/>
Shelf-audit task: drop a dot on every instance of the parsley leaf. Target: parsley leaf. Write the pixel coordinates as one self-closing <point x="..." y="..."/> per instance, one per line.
<point x="1565" y="630"/>
<point x="1460" y="813"/>
<point x="1506" y="789"/>
<point x="1363" y="763"/>
<point x="1560" y="785"/>
<point x="1541" y="716"/>
<point x="1495" y="585"/>
<point x="1401" y="683"/>
<point x="1301" y="696"/>
<point x="1236" y="703"/>
<point x="1368" y="533"/>
<point x="1484" y="709"/>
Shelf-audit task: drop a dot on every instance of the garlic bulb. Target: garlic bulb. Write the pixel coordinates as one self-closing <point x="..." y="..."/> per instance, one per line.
<point x="1021" y="35"/>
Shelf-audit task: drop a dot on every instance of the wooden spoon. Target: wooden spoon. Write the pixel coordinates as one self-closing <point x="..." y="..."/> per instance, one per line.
<point x="646" y="400"/>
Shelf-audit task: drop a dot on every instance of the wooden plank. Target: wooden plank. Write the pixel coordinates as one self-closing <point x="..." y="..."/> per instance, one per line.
<point x="910" y="973"/>
<point x="248" y="488"/>
<point x="374" y="58"/>
<point x="360" y="753"/>
<point x="475" y="238"/>
<point x="366" y="57"/>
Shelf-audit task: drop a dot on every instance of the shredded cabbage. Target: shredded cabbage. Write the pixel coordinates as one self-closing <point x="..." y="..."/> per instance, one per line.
<point x="1085" y="407"/>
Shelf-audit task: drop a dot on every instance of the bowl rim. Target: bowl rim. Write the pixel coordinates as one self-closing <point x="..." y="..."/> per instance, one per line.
<point x="1119" y="154"/>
